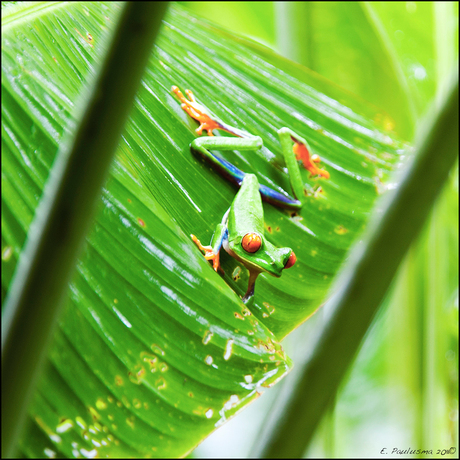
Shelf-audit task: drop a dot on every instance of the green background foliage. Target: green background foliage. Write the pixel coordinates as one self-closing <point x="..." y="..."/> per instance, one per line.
<point x="155" y="349"/>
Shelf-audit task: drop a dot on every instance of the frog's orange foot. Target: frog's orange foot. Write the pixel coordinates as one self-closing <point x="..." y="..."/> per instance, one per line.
<point x="196" y="111"/>
<point x="209" y="254"/>
<point x="301" y="153"/>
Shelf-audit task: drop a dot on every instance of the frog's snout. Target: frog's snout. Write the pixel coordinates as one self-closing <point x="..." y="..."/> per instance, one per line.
<point x="285" y="258"/>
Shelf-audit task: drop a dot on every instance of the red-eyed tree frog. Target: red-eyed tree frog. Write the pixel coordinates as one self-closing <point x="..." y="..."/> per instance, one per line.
<point x="241" y="232"/>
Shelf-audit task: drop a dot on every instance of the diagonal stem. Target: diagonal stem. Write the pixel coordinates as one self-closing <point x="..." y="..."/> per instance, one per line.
<point x="362" y="285"/>
<point x="63" y="217"/>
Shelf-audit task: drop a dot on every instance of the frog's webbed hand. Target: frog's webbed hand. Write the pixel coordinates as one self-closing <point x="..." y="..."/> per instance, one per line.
<point x="197" y="112"/>
<point x="209" y="254"/>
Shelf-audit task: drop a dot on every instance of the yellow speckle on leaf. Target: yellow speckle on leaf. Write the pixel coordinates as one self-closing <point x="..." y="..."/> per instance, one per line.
<point x="340" y="230"/>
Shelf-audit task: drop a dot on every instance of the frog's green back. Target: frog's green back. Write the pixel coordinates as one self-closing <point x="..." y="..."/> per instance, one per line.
<point x="246" y="212"/>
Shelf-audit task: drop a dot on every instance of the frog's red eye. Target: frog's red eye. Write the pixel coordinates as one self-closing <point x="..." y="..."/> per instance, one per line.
<point x="251" y="242"/>
<point x="291" y="261"/>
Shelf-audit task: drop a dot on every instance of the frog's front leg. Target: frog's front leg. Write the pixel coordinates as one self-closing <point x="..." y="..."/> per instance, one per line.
<point x="251" y="284"/>
<point x="299" y="151"/>
<point x="209" y="254"/>
<point x="212" y="251"/>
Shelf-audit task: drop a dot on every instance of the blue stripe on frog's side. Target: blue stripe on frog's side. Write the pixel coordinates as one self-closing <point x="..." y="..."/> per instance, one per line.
<point x="235" y="175"/>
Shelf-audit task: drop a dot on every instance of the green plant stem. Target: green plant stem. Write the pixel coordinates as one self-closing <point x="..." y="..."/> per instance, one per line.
<point x="363" y="284"/>
<point x="394" y="60"/>
<point x="63" y="217"/>
<point x="293" y="31"/>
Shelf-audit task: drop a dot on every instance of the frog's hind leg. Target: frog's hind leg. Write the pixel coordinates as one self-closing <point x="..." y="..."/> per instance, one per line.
<point x="197" y="112"/>
<point x="200" y="114"/>
<point x="204" y="145"/>
<point x="290" y="159"/>
<point x="301" y="150"/>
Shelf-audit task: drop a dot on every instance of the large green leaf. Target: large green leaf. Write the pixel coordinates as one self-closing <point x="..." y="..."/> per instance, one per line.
<point x="155" y="349"/>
